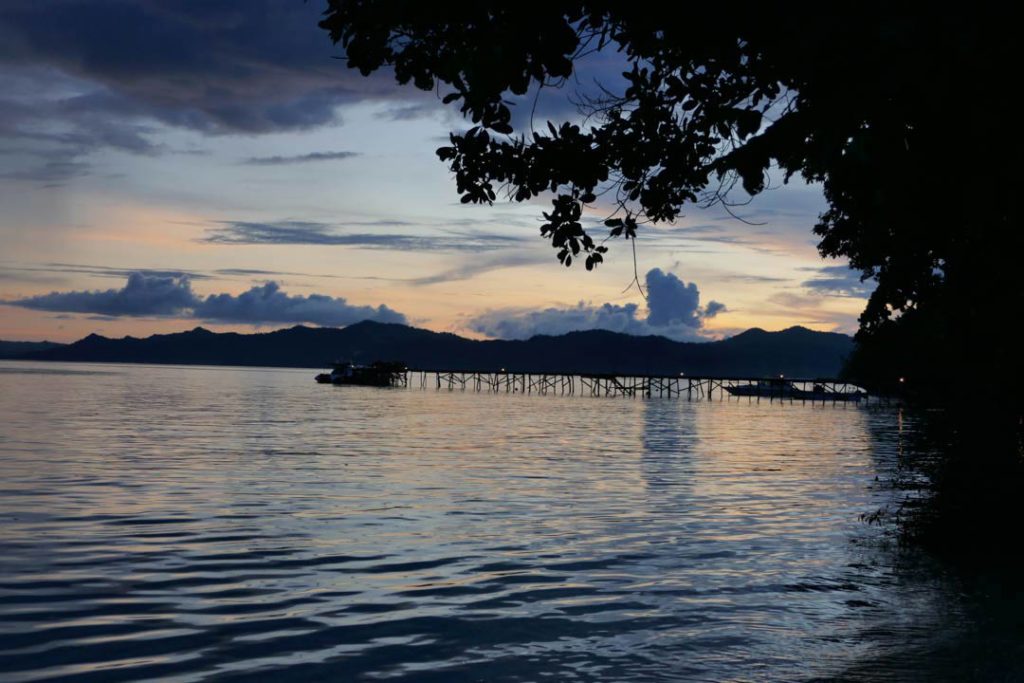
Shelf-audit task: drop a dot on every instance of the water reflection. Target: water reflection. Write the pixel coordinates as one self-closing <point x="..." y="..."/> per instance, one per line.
<point x="191" y="522"/>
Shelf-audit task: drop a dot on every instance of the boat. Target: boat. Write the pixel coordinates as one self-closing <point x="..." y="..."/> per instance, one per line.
<point x="377" y="374"/>
<point x="819" y="392"/>
<point x="765" y="388"/>
<point x="783" y="388"/>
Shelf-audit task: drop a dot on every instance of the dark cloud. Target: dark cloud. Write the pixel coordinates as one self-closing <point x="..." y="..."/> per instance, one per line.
<point x="104" y="71"/>
<point x="142" y="295"/>
<point x="47" y="172"/>
<point x="840" y="281"/>
<point x="671" y="301"/>
<point x="714" y="308"/>
<point x="674" y="311"/>
<point x="573" y="99"/>
<point x="215" y="66"/>
<point x="300" y="158"/>
<point x="146" y="295"/>
<point x="307" y="232"/>
<point x="82" y="75"/>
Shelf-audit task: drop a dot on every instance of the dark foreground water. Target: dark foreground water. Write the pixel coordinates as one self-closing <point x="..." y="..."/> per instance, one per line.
<point x="168" y="523"/>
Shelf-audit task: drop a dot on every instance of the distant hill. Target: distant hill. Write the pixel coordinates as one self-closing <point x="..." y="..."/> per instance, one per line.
<point x="17" y="349"/>
<point x="795" y="352"/>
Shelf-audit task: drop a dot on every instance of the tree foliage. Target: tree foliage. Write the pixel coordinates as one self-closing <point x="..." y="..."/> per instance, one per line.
<point x="905" y="120"/>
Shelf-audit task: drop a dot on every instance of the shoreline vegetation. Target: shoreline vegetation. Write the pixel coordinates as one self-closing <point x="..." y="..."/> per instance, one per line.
<point x="961" y="480"/>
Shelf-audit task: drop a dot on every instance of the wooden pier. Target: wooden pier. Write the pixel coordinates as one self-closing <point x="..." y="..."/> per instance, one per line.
<point x="629" y="386"/>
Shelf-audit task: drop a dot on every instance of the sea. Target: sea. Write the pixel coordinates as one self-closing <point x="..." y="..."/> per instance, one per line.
<point x="173" y="523"/>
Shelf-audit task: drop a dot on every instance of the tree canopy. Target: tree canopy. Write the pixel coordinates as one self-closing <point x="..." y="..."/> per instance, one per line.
<point x="905" y="119"/>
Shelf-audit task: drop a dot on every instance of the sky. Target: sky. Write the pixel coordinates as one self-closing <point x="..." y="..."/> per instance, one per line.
<point x="166" y="164"/>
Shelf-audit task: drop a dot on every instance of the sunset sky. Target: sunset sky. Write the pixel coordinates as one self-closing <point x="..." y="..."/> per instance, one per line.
<point x="171" y="164"/>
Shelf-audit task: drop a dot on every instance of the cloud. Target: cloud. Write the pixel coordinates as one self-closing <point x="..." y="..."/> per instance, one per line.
<point x="840" y="281"/>
<point x="55" y="272"/>
<point x="478" y="265"/>
<point x="747" y="277"/>
<point x="307" y="232"/>
<point x="523" y="324"/>
<point x="46" y="271"/>
<point x="268" y="304"/>
<point x="82" y="75"/>
<point x="50" y="172"/>
<point x="670" y="300"/>
<point x="147" y="295"/>
<point x="257" y="67"/>
<point x="250" y="272"/>
<point x="142" y="295"/>
<point x="809" y="309"/>
<point x="99" y="74"/>
<point x="410" y="112"/>
<point x="299" y="158"/>
<point x="673" y="310"/>
<point x="714" y="308"/>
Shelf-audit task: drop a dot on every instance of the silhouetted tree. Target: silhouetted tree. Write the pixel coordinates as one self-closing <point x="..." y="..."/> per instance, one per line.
<point x="907" y="121"/>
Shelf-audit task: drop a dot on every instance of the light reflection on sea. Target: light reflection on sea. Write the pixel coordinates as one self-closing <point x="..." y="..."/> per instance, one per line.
<point x="189" y="523"/>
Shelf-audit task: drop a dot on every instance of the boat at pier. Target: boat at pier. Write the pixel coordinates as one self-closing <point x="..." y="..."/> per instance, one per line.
<point x="377" y="374"/>
<point x="765" y="388"/>
<point x="819" y="392"/>
<point x="786" y="389"/>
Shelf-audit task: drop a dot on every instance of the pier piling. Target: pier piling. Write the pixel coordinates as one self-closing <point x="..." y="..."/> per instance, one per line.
<point x="626" y="385"/>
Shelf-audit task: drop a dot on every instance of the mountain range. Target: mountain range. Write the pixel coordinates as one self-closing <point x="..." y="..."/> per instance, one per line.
<point x="794" y="352"/>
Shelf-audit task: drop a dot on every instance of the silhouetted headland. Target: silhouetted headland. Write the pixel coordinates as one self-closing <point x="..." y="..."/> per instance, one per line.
<point x="796" y="351"/>
<point x="17" y="349"/>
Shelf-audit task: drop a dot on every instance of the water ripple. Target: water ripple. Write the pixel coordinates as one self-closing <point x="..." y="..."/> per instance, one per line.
<point x="198" y="523"/>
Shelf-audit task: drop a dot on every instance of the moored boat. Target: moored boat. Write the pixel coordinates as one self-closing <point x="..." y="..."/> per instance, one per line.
<point x="377" y="374"/>
<point x="819" y="392"/>
<point x="783" y="388"/>
<point x="765" y="388"/>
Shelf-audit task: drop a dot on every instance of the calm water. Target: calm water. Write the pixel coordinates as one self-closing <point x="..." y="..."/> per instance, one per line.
<point x="195" y="523"/>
